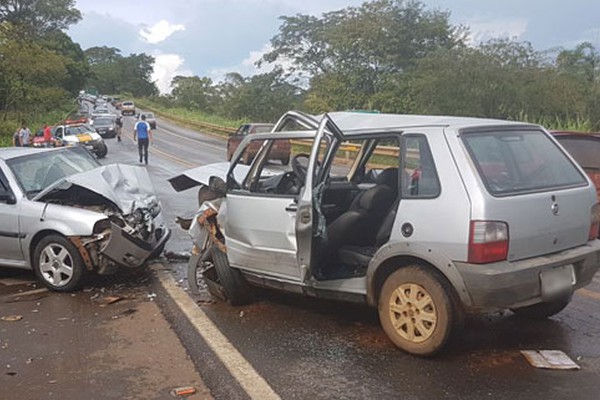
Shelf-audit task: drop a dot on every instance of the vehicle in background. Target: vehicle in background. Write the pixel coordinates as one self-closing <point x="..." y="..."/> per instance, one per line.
<point x="79" y="118"/>
<point x="106" y="125"/>
<point x="281" y="150"/>
<point x="585" y="149"/>
<point x="150" y="119"/>
<point x="68" y="216"/>
<point x="425" y="218"/>
<point x="127" y="108"/>
<point x="80" y="135"/>
<point x="38" y="141"/>
<point x="116" y="102"/>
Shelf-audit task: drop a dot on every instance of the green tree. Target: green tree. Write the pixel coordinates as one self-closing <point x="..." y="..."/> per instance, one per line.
<point x="35" y="18"/>
<point x="193" y="92"/>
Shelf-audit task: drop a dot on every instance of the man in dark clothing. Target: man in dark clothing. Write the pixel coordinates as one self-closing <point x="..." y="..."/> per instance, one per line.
<point x="119" y="123"/>
<point x="143" y="134"/>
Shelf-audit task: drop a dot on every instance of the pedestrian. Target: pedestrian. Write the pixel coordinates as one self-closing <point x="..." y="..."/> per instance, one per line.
<point x="47" y="136"/>
<point x="17" y="138"/>
<point x="119" y="123"/>
<point x="143" y="134"/>
<point x="24" y="135"/>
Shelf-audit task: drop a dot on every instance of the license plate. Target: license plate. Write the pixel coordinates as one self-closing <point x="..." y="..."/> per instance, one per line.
<point x="557" y="281"/>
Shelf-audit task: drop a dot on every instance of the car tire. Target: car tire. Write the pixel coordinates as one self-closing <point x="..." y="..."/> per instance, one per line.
<point x="237" y="291"/>
<point x="542" y="310"/>
<point x="285" y="161"/>
<point x="418" y="310"/>
<point x="58" y="264"/>
<point x="102" y="152"/>
<point x="195" y="264"/>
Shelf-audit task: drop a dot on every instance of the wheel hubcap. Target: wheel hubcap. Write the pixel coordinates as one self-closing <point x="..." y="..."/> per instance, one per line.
<point x="56" y="265"/>
<point x="413" y="313"/>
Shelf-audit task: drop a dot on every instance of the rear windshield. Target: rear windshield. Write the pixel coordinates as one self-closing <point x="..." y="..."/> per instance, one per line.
<point x="520" y="161"/>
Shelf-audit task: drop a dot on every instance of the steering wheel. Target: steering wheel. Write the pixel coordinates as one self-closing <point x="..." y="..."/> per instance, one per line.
<point x="298" y="168"/>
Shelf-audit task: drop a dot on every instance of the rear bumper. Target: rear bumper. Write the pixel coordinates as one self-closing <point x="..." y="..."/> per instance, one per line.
<point x="515" y="284"/>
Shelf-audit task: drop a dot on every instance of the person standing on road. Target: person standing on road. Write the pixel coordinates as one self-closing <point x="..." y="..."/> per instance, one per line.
<point x="119" y="123"/>
<point x="17" y="138"/>
<point x="24" y="135"/>
<point x="47" y="136"/>
<point x="143" y="134"/>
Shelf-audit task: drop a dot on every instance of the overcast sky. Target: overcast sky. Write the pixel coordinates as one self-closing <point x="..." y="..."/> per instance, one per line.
<point x="213" y="37"/>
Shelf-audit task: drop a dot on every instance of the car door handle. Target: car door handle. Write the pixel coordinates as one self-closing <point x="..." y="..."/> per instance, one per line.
<point x="292" y="208"/>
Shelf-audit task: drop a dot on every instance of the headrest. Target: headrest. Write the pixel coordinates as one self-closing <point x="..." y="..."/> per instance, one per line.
<point x="388" y="177"/>
<point x="376" y="199"/>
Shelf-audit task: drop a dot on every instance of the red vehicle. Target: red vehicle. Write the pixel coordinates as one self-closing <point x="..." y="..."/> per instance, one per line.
<point x="281" y="149"/>
<point x="585" y="149"/>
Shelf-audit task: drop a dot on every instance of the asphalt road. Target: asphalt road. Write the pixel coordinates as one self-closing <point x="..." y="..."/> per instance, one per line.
<point x="310" y="348"/>
<point x="298" y="348"/>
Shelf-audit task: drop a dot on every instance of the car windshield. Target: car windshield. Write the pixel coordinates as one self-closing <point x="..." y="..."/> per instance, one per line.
<point x="520" y="161"/>
<point x="77" y="130"/>
<point x="149" y="116"/>
<point x="263" y="128"/>
<point x="103" y="121"/>
<point x="36" y="172"/>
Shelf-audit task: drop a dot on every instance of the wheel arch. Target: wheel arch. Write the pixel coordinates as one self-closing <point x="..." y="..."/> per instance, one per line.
<point x="37" y="238"/>
<point x="390" y="259"/>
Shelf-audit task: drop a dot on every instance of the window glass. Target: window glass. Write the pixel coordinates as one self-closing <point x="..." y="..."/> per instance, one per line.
<point x="520" y="161"/>
<point x="584" y="150"/>
<point x="36" y="172"/>
<point x="419" y="176"/>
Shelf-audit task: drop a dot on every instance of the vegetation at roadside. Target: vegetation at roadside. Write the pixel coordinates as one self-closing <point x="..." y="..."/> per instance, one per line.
<point x="399" y="56"/>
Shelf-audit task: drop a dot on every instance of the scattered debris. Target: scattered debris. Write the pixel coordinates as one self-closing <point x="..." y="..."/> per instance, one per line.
<point x="125" y="313"/>
<point x="205" y="301"/>
<point x="241" y="314"/>
<point x="107" y="300"/>
<point x="15" y="281"/>
<point x="30" y="295"/>
<point x="11" y="373"/>
<point x="151" y="296"/>
<point x="183" y="391"/>
<point x="53" y="381"/>
<point x="11" y="318"/>
<point x="549" y="359"/>
<point x="178" y="256"/>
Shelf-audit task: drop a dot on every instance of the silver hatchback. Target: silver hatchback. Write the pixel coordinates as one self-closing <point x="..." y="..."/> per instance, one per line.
<point x="64" y="215"/>
<point x="423" y="217"/>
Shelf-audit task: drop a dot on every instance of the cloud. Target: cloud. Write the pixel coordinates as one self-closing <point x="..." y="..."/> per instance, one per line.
<point x="484" y="30"/>
<point x="160" y="31"/>
<point x="166" y="67"/>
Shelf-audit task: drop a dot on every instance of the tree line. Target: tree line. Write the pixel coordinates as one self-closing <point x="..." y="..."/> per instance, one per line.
<point x="400" y="57"/>
<point x="393" y="56"/>
<point x="42" y="68"/>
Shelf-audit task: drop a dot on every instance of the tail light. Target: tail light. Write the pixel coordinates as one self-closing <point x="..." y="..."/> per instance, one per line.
<point x="488" y="242"/>
<point x="594" y="222"/>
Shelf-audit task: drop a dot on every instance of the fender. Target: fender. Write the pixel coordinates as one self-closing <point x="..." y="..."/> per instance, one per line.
<point x="415" y="251"/>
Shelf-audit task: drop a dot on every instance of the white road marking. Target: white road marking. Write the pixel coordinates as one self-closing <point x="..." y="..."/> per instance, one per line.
<point x="255" y="385"/>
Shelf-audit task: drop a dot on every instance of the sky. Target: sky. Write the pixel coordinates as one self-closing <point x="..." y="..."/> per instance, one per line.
<point x="214" y="37"/>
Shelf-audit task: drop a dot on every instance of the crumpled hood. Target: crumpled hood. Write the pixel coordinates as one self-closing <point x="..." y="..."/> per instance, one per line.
<point x="126" y="186"/>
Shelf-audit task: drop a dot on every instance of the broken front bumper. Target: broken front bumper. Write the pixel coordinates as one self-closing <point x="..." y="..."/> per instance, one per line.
<point x="132" y="252"/>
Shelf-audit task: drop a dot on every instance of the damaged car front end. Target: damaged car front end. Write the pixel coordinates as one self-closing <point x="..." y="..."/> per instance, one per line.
<point x="73" y="216"/>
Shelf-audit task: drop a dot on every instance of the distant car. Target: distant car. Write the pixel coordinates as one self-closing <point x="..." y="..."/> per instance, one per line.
<point x="116" y="102"/>
<point x="38" y="140"/>
<point x="127" y="108"/>
<point x="281" y="149"/>
<point x="80" y="135"/>
<point x="585" y="149"/>
<point x="150" y="119"/>
<point x="79" y="118"/>
<point x="106" y="126"/>
<point x="65" y="216"/>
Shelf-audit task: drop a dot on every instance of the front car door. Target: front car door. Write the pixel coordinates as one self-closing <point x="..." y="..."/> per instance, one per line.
<point x="10" y="235"/>
<point x="261" y="213"/>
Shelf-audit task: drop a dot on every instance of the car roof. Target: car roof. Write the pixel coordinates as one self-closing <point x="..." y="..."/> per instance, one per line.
<point x="7" y="153"/>
<point x="359" y="122"/>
